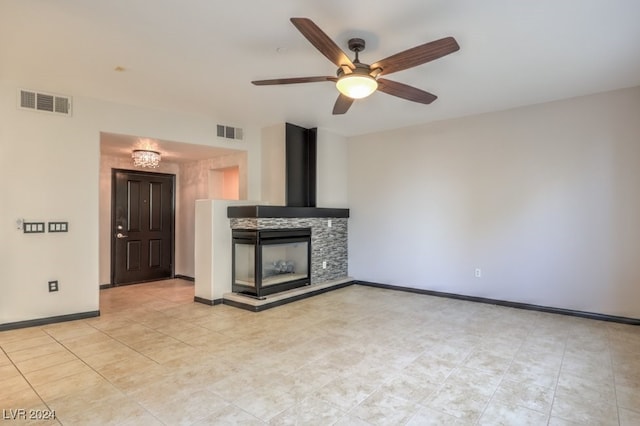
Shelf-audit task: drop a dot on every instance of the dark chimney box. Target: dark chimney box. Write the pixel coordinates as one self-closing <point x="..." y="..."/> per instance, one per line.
<point x="300" y="163"/>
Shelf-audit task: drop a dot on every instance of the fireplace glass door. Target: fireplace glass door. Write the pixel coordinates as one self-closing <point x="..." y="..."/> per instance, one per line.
<point x="244" y="265"/>
<point x="284" y="262"/>
<point x="270" y="261"/>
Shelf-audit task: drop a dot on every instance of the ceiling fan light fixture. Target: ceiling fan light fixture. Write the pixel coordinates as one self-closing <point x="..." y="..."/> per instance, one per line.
<point x="145" y="158"/>
<point x="357" y="80"/>
<point x="356" y="85"/>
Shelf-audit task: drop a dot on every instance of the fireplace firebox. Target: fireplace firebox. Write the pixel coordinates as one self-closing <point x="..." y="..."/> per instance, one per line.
<point x="268" y="261"/>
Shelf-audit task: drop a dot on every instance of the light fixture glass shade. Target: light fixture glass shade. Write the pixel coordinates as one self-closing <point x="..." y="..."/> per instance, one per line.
<point x="145" y="158"/>
<point x="357" y="86"/>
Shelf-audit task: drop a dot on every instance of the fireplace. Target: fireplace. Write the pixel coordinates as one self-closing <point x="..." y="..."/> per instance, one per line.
<point x="267" y="261"/>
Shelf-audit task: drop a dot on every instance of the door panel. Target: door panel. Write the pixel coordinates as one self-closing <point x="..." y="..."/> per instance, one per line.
<point x="155" y="253"/>
<point x="133" y="206"/>
<point x="143" y="226"/>
<point x="133" y="255"/>
<point x="155" y="207"/>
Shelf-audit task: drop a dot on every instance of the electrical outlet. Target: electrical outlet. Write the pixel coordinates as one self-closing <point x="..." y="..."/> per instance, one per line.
<point x="329" y="223"/>
<point x="478" y="273"/>
<point x="324" y="264"/>
<point x="53" y="286"/>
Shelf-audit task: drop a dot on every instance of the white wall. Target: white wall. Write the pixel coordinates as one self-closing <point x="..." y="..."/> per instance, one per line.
<point x="49" y="170"/>
<point x="273" y="171"/>
<point x="332" y="177"/>
<point x="544" y="199"/>
<point x="213" y="258"/>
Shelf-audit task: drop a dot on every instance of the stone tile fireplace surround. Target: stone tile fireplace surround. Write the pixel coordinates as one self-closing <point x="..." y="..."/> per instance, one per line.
<point x="329" y="234"/>
<point x="328" y="244"/>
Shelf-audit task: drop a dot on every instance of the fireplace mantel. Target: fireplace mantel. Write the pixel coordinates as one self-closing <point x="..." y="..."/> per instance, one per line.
<point x="265" y="211"/>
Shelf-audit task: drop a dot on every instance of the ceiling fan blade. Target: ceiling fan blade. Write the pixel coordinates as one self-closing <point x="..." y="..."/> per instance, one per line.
<point x="405" y="92"/>
<point x="322" y="42"/>
<point x="292" y="80"/>
<point x="417" y="55"/>
<point x="342" y="105"/>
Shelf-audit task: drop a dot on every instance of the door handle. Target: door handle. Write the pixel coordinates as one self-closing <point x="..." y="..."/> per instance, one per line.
<point x="121" y="235"/>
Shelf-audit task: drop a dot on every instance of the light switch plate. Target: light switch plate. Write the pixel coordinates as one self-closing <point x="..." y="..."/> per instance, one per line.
<point x="58" y="226"/>
<point x="33" y="227"/>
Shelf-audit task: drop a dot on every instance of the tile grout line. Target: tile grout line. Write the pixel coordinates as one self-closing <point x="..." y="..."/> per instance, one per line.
<point x="613" y="373"/>
<point x="498" y="386"/>
<point x="126" y="344"/>
<point x="124" y="394"/>
<point x="151" y="359"/>
<point x="555" y="389"/>
<point x="28" y="382"/>
<point x="501" y="380"/>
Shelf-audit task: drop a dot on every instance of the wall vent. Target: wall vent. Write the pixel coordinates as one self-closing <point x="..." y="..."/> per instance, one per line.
<point x="45" y="102"/>
<point x="229" y="132"/>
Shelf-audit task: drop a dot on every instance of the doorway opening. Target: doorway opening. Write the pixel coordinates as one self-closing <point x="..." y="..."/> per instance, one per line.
<point x="224" y="183"/>
<point x="200" y="172"/>
<point x="142" y="226"/>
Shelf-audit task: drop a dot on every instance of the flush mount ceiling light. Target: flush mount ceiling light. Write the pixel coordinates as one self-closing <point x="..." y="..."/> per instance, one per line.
<point x="145" y="158"/>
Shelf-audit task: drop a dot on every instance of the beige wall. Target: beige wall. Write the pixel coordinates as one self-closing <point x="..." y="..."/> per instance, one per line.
<point x="223" y="184"/>
<point x="544" y="199"/>
<point x="195" y="185"/>
<point x="50" y="171"/>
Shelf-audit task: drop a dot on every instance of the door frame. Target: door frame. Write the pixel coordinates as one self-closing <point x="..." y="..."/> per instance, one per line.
<point x="113" y="229"/>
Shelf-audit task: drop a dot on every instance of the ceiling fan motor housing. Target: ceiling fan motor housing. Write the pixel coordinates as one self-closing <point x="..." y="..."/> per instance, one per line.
<point x="360" y="68"/>
<point x="356" y="44"/>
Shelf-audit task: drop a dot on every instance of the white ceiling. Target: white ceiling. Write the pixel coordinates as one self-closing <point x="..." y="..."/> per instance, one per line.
<point x="174" y="152"/>
<point x="200" y="55"/>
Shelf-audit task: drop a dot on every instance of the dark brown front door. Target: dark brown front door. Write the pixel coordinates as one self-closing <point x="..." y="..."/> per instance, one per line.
<point x="142" y="226"/>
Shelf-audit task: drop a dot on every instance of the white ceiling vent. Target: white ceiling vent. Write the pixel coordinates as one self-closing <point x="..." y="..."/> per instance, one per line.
<point x="46" y="102"/>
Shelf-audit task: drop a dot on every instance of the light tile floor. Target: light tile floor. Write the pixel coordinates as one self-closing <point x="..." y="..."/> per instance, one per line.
<point x="354" y="356"/>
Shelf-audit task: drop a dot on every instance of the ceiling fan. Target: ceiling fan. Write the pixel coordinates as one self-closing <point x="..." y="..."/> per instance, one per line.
<point x="356" y="80"/>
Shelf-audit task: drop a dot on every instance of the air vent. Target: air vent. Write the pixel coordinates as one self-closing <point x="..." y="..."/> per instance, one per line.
<point x="46" y="102"/>
<point x="229" y="132"/>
